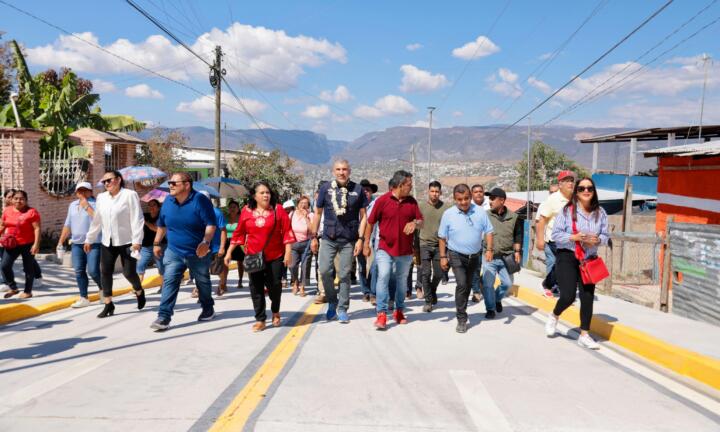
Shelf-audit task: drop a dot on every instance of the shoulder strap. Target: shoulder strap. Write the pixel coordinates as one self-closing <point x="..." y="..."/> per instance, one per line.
<point x="579" y="251"/>
<point x="272" y="230"/>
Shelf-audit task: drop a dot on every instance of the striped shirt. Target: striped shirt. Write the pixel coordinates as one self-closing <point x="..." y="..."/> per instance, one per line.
<point x="586" y="223"/>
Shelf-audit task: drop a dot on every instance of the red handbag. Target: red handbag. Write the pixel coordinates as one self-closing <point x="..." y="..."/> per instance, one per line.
<point x="8" y="239"/>
<point x="593" y="269"/>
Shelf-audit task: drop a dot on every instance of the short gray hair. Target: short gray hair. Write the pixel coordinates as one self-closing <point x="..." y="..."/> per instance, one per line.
<point x="399" y="178"/>
<point x="341" y="162"/>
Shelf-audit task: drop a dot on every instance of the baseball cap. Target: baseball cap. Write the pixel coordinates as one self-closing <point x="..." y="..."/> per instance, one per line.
<point x="289" y="203"/>
<point x="566" y="173"/>
<point x="83" y="185"/>
<point x="496" y="192"/>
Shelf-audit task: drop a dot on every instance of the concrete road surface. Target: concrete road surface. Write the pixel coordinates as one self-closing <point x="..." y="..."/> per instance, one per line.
<point x="71" y="371"/>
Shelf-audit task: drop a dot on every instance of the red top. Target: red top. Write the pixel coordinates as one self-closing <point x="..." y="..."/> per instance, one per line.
<point x="393" y="215"/>
<point x="20" y="223"/>
<point x="253" y="231"/>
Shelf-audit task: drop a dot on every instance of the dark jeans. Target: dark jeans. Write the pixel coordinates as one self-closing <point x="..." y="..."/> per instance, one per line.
<point x="299" y="251"/>
<point x="430" y="271"/>
<point x="270" y="277"/>
<point x="463" y="266"/>
<point x="108" y="257"/>
<point x="550" y="254"/>
<point x="29" y="266"/>
<point x="364" y="278"/>
<point x="567" y="269"/>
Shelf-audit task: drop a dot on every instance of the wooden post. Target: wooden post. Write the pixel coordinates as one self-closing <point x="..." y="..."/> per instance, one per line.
<point x="595" y="158"/>
<point x="666" y="282"/>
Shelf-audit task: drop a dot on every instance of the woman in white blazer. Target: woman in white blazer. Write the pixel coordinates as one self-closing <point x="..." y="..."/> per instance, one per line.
<point x="119" y="218"/>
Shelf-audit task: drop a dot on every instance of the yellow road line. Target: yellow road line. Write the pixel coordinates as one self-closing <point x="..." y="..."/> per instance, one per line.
<point x="241" y="408"/>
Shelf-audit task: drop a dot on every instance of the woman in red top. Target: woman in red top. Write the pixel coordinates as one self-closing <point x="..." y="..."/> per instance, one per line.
<point x="23" y="224"/>
<point x="264" y="226"/>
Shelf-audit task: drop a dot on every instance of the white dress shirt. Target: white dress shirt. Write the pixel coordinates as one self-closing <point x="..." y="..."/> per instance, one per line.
<point x="120" y="219"/>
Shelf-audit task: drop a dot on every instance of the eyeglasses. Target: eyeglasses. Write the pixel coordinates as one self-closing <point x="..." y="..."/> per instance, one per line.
<point x="174" y="183"/>
<point x="586" y="188"/>
<point x="108" y="180"/>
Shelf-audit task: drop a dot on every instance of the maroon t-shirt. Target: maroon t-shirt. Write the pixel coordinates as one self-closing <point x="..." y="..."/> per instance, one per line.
<point x="392" y="215"/>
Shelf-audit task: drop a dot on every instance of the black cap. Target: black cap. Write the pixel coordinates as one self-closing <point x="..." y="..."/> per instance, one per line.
<point x="366" y="183"/>
<point x="497" y="192"/>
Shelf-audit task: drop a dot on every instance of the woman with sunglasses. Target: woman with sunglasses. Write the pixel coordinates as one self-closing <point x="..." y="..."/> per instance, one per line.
<point x="22" y="223"/>
<point x="264" y="227"/>
<point x="590" y="230"/>
<point x="119" y="217"/>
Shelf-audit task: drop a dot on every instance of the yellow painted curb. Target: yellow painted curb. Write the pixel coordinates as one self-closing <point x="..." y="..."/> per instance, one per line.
<point x="241" y="408"/>
<point x="19" y="311"/>
<point x="699" y="367"/>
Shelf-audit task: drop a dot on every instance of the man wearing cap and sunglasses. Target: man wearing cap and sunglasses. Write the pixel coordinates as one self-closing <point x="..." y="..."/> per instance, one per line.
<point x="548" y="210"/>
<point x="77" y="223"/>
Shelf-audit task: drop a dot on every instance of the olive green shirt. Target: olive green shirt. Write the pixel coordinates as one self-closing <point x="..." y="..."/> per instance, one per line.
<point x="431" y="221"/>
<point x="507" y="230"/>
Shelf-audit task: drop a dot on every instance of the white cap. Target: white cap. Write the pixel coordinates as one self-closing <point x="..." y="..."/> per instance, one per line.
<point x="206" y="193"/>
<point x="83" y="185"/>
<point x="289" y="203"/>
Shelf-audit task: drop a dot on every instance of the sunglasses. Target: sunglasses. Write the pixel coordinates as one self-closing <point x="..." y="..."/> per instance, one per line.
<point x="586" y="188"/>
<point x="107" y="181"/>
<point x="174" y="183"/>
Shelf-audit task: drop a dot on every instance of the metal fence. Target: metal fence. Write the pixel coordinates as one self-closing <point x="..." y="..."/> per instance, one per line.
<point x="695" y="271"/>
<point x="60" y="172"/>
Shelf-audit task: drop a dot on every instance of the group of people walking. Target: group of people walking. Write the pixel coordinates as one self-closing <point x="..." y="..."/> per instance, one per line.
<point x="476" y="236"/>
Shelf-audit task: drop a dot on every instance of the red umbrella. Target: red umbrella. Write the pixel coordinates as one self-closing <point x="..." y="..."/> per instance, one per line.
<point x="155" y="194"/>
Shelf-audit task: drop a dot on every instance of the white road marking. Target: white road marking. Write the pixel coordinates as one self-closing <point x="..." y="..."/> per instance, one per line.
<point x="49" y="383"/>
<point x="485" y="414"/>
<point x="670" y="384"/>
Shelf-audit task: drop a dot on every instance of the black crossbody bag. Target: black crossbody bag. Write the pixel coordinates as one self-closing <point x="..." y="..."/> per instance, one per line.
<point x="255" y="262"/>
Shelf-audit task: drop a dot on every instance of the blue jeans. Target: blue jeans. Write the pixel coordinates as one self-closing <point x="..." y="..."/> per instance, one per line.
<point x="385" y="263"/>
<point x="373" y="277"/>
<point x="490" y="270"/>
<point x="364" y="279"/>
<point x="147" y="255"/>
<point x="84" y="265"/>
<point x="550" y="251"/>
<point x="175" y="266"/>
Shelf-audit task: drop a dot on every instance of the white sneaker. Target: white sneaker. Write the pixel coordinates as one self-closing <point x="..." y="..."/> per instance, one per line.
<point x="551" y="326"/>
<point x="4" y="288"/>
<point x="81" y="303"/>
<point x="37" y="283"/>
<point x="586" y="341"/>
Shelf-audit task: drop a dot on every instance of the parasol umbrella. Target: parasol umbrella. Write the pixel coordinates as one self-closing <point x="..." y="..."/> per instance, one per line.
<point x="155" y="194"/>
<point x="198" y="187"/>
<point x="134" y="174"/>
<point x="227" y="187"/>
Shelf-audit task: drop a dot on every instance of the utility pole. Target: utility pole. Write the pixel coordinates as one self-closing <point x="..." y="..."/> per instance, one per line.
<point x="430" y="110"/>
<point x="412" y="159"/>
<point x="216" y="73"/>
<point x="706" y="60"/>
<point x="529" y="148"/>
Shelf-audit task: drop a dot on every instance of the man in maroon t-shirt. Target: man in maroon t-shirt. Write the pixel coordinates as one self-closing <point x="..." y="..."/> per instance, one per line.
<point x="399" y="216"/>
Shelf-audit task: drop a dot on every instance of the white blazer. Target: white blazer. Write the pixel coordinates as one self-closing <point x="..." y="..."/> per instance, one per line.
<point x="120" y="219"/>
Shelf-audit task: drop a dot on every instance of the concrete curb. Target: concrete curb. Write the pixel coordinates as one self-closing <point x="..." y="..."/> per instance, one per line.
<point x="20" y="311"/>
<point x="687" y="363"/>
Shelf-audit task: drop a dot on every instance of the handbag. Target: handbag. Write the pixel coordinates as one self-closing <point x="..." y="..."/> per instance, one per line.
<point x="8" y="239"/>
<point x="255" y="262"/>
<point x="217" y="266"/>
<point x="511" y="265"/>
<point x="593" y="269"/>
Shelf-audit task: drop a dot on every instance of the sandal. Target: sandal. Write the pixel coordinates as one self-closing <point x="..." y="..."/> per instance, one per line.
<point x="302" y="291"/>
<point x="194" y="293"/>
<point x="276" y="320"/>
<point x="294" y="289"/>
<point x="221" y="290"/>
<point x="11" y="293"/>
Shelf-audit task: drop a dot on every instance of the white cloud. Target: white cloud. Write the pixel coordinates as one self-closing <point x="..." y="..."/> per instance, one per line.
<point x="204" y="107"/>
<point x="545" y="56"/>
<point x="420" y="124"/>
<point x="675" y="113"/>
<point x="481" y="47"/>
<point x="387" y="105"/>
<point x="316" y="111"/>
<point x="496" y="113"/>
<point x="504" y="82"/>
<point x="262" y="125"/>
<point x="413" y="47"/>
<point x="143" y="91"/>
<point x="102" y="86"/>
<point x="457" y="113"/>
<point x="540" y="85"/>
<point x="418" y="80"/>
<point x="339" y="95"/>
<point x="269" y="59"/>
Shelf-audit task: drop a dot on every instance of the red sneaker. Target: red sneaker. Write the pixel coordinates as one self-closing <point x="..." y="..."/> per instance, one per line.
<point x="399" y="317"/>
<point x="548" y="293"/>
<point x="381" y="321"/>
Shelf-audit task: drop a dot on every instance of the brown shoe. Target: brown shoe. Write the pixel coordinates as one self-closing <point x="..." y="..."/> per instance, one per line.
<point x="420" y="293"/>
<point x="276" y="320"/>
<point x="476" y="297"/>
<point x="320" y="299"/>
<point x="25" y="295"/>
<point x="302" y="291"/>
<point x="258" y="326"/>
<point x="10" y="293"/>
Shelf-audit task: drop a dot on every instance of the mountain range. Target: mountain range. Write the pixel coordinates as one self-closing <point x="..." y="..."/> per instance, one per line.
<point x="492" y="143"/>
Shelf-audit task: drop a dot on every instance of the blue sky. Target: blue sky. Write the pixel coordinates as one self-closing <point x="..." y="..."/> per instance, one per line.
<point x="345" y="68"/>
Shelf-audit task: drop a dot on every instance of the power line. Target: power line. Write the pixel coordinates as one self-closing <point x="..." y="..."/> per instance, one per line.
<point x="588" y="67"/>
<point x="183" y="29"/>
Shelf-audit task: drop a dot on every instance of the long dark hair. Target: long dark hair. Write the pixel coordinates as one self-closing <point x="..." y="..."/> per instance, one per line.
<point x="594" y="201"/>
<point x="252" y="203"/>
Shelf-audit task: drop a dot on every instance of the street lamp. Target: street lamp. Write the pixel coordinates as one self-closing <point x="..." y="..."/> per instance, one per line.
<point x="430" y="111"/>
<point x="13" y="100"/>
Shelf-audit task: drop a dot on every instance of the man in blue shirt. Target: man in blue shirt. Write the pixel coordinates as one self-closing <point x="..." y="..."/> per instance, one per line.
<point x="461" y="232"/>
<point x="188" y="219"/>
<point x="342" y="205"/>
<point x="77" y="224"/>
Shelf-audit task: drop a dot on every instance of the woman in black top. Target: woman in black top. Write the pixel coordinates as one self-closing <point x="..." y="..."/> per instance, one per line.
<point x="149" y="230"/>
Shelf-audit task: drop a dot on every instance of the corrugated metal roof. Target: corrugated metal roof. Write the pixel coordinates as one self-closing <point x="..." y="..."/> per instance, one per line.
<point x="603" y="195"/>
<point x="699" y="149"/>
<point x="657" y="134"/>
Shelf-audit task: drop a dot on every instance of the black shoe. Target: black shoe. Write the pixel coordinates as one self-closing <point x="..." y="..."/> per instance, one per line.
<point x="160" y="324"/>
<point x="490" y="314"/>
<point x="140" y="299"/>
<point x="461" y="327"/>
<point x="207" y="314"/>
<point x="434" y="300"/>
<point x="498" y="307"/>
<point x="427" y="307"/>
<point x="108" y="310"/>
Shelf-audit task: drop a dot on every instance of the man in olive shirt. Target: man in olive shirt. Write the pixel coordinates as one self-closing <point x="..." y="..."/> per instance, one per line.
<point x="432" y="211"/>
<point x="507" y="241"/>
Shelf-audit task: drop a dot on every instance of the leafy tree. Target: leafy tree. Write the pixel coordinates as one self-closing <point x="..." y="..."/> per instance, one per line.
<point x="274" y="167"/>
<point x="162" y="151"/>
<point x="546" y="164"/>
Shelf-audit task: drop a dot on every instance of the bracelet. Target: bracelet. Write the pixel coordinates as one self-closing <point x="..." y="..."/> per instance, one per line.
<point x="361" y="238"/>
<point x="156" y="244"/>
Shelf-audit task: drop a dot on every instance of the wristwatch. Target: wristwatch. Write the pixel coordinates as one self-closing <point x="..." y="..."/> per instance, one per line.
<point x="205" y="242"/>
